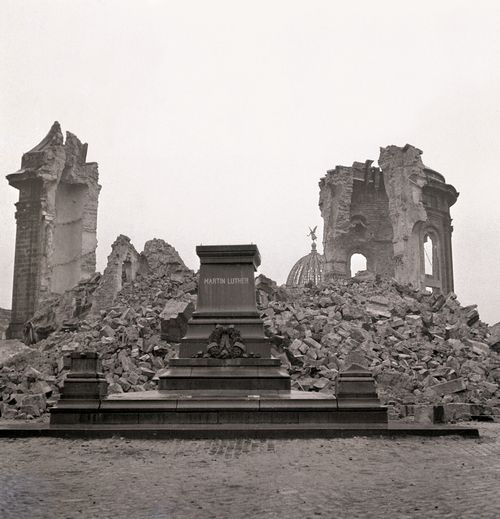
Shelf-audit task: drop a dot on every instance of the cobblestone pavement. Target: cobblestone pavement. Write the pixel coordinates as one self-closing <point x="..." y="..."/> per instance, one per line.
<point x="357" y="477"/>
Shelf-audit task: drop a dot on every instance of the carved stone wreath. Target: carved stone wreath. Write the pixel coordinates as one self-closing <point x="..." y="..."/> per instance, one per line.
<point x="225" y="342"/>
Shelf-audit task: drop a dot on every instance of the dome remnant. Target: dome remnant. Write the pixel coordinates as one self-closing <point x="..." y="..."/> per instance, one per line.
<point x="309" y="269"/>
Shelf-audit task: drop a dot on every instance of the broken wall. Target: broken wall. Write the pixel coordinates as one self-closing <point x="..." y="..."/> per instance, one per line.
<point x="56" y="218"/>
<point x="388" y="214"/>
<point x="123" y="264"/>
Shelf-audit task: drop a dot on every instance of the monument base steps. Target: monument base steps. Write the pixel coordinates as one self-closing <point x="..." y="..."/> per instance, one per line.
<point x="251" y="374"/>
<point x="217" y="407"/>
<point x="233" y="431"/>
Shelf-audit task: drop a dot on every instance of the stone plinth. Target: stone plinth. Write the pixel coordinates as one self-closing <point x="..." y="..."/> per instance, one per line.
<point x="356" y="386"/>
<point x="226" y="297"/>
<point x="85" y="381"/>
<point x="252" y="374"/>
<point x="225" y="347"/>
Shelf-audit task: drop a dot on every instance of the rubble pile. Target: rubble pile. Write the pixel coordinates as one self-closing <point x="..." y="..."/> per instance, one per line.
<point x="126" y="335"/>
<point x="62" y="312"/>
<point x="422" y="348"/>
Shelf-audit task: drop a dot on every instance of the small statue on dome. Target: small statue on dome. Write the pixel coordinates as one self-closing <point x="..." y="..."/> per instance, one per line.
<point x="312" y="234"/>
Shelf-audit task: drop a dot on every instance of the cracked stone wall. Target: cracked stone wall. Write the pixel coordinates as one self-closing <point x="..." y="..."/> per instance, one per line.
<point x="388" y="214"/>
<point x="56" y="218"/>
<point x="4" y="322"/>
<point x="124" y="263"/>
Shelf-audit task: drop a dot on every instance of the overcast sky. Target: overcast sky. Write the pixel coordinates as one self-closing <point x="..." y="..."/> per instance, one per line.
<point x="212" y="122"/>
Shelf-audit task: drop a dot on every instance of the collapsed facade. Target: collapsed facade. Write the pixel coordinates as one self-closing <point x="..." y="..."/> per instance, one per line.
<point x="396" y="215"/>
<point x="56" y="223"/>
<point x="124" y="263"/>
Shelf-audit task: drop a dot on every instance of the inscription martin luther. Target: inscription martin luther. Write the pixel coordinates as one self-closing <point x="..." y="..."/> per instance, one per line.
<point x="226" y="281"/>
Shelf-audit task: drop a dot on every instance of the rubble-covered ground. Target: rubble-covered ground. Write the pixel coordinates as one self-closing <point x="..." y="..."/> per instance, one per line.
<point x="422" y="348"/>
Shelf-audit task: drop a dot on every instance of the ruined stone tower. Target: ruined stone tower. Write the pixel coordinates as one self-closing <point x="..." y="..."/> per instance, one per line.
<point x="56" y="222"/>
<point x="396" y="215"/>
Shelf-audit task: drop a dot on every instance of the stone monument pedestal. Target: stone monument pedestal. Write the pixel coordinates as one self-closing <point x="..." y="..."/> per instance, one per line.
<point x="85" y="380"/>
<point x="225" y="347"/>
<point x="225" y="378"/>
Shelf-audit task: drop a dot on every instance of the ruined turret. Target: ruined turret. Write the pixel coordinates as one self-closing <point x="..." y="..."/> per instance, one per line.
<point x="397" y="215"/>
<point x="56" y="222"/>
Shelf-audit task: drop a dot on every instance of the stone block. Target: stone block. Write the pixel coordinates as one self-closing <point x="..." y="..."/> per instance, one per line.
<point x="174" y="320"/>
<point x="479" y="348"/>
<point x="451" y="386"/>
<point x="377" y="310"/>
<point x="454" y="412"/>
<point x="85" y="362"/>
<point x="7" y="412"/>
<point x="312" y="343"/>
<point x="85" y="380"/>
<point x="357" y="383"/>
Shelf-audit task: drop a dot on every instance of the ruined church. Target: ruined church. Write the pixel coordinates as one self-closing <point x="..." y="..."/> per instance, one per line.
<point x="396" y="215"/>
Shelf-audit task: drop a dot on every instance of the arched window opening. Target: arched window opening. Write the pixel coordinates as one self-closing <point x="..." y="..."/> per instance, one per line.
<point x="429" y="255"/>
<point x="357" y="264"/>
<point x="127" y="271"/>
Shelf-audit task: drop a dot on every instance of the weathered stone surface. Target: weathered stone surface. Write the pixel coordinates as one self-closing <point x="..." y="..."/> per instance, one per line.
<point x="4" y="322"/>
<point x="12" y="351"/>
<point x="174" y="320"/>
<point x="123" y="264"/>
<point x="163" y="259"/>
<point x="389" y="214"/>
<point x="423" y="413"/>
<point x="88" y="299"/>
<point x="478" y="347"/>
<point x="454" y="412"/>
<point x="494" y="337"/>
<point x="56" y="223"/>
<point x="451" y="386"/>
<point x="61" y="311"/>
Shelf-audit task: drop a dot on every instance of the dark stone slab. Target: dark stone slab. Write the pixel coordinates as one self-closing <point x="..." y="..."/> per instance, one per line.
<point x="228" y="405"/>
<point x="226" y="297"/>
<point x="357" y="383"/>
<point x="270" y="407"/>
<point x="298" y="405"/>
<point x="228" y="383"/>
<point x="183" y="362"/>
<point x="152" y="430"/>
<point x="85" y="379"/>
<point x="226" y="281"/>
